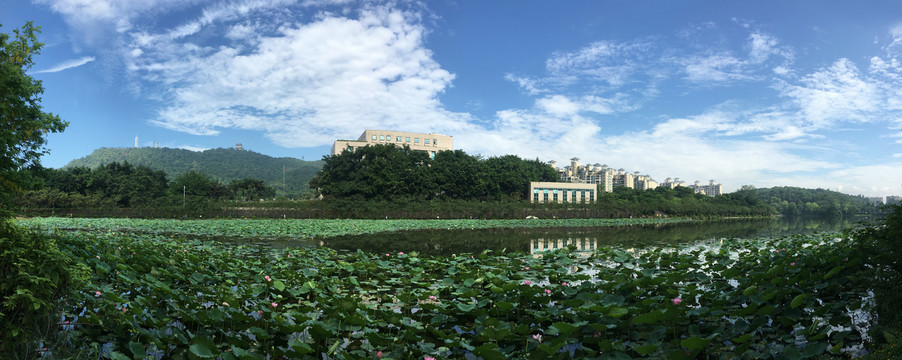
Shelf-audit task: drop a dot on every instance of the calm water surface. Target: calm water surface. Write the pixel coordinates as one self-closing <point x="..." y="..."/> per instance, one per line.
<point x="446" y="242"/>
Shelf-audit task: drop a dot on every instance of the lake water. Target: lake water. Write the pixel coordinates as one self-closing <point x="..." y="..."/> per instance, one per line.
<point x="446" y="242"/>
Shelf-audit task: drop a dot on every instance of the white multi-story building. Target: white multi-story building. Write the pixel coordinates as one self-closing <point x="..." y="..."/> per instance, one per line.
<point x="562" y="192"/>
<point x="711" y="189"/>
<point x="430" y="143"/>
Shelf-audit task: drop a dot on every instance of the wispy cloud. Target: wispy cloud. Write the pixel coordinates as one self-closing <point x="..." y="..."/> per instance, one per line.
<point x="67" y="65"/>
<point x="193" y="148"/>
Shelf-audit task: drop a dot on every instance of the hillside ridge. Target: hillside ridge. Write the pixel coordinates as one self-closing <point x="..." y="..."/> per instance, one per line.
<point x="223" y="164"/>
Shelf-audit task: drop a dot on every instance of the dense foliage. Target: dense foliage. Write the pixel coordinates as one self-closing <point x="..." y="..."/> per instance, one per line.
<point x="162" y="297"/>
<point x="884" y="245"/>
<point x="34" y="275"/>
<point x="387" y="172"/>
<point x="223" y="165"/>
<point x="23" y="122"/>
<point x="814" y="202"/>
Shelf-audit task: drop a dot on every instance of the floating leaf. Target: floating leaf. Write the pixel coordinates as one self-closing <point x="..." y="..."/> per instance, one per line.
<point x="798" y="300"/>
<point x="618" y="312"/>
<point x="279" y="285"/>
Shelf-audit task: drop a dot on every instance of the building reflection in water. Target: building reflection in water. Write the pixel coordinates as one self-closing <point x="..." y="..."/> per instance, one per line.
<point x="540" y="245"/>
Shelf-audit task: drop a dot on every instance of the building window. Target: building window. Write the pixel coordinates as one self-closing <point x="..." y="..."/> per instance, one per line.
<point x="416" y="140"/>
<point x="426" y="141"/>
<point x="408" y="139"/>
<point x="434" y="141"/>
<point x="398" y="139"/>
<point x="432" y="155"/>
<point x="374" y="137"/>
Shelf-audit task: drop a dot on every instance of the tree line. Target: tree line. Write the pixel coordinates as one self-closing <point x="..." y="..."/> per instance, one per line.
<point x="794" y="201"/>
<point x="288" y="176"/>
<point x="455" y="184"/>
<point x="123" y="185"/>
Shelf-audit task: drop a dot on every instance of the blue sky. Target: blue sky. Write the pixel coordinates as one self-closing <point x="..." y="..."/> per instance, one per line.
<point x="765" y="93"/>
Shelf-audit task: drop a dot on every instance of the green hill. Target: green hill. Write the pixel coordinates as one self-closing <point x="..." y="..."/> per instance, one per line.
<point x="789" y="200"/>
<point x="224" y="165"/>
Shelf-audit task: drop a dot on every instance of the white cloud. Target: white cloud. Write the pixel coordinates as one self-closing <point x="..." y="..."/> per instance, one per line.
<point x="836" y="94"/>
<point x="608" y="61"/>
<point x="67" y="65"/>
<point x="558" y="105"/>
<point x="308" y="84"/>
<point x="714" y="68"/>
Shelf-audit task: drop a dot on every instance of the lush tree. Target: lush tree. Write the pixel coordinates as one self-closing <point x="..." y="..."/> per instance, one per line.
<point x="34" y="273"/>
<point x="250" y="189"/>
<point x="25" y="125"/>
<point x="458" y="175"/>
<point x="387" y="172"/>
<point x="381" y="171"/>
<point x="199" y="184"/>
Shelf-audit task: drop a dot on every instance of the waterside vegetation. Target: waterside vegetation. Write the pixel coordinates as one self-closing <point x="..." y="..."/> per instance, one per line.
<point x="154" y="296"/>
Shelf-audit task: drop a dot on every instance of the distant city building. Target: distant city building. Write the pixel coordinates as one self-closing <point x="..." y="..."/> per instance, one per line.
<point x="874" y="200"/>
<point x="239" y="147"/>
<point x="136" y="141"/>
<point x="608" y="179"/>
<point x="673" y="183"/>
<point x="893" y="200"/>
<point x="561" y="192"/>
<point x="430" y="143"/>
<point x="711" y="189"/>
<point x="605" y="177"/>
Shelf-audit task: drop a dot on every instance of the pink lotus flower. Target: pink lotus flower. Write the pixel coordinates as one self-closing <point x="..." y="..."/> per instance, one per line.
<point x="387" y="254"/>
<point x="124" y="309"/>
<point x="275" y="304"/>
<point x="267" y="278"/>
<point x="428" y="358"/>
<point x="259" y="312"/>
<point x="526" y="268"/>
<point x="548" y="291"/>
<point x="97" y="293"/>
<point x="433" y="297"/>
<point x="98" y="257"/>
<point x="677" y="301"/>
<point x="379" y="354"/>
<point x="527" y="282"/>
<point x="792" y="263"/>
<point x="537" y="337"/>
<point x="401" y="253"/>
<point x="563" y="284"/>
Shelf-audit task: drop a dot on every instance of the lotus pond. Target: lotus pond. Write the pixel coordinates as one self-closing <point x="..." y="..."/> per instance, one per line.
<point x="162" y="293"/>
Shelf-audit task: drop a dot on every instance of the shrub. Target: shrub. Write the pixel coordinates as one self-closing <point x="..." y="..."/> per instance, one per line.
<point x="34" y="275"/>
